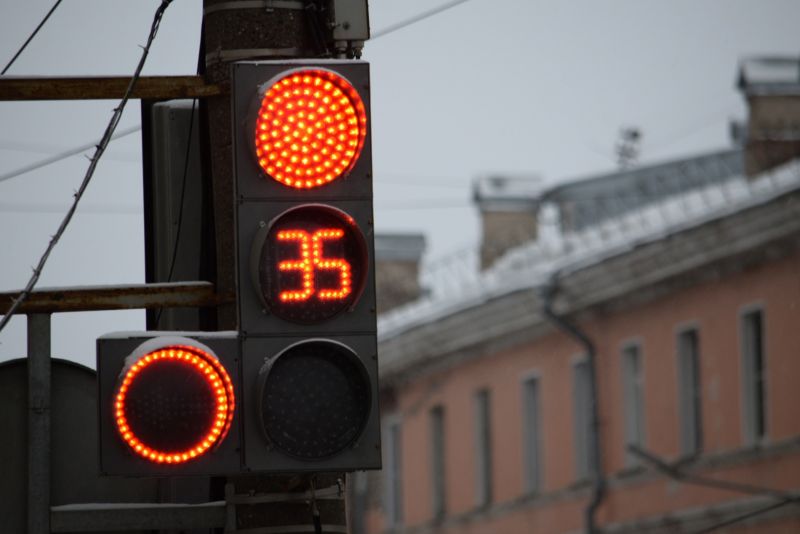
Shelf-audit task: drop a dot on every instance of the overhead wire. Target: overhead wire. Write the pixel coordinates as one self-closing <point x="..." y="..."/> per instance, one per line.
<point x="182" y="200"/>
<point x="30" y="37"/>
<point x="64" y="155"/>
<point x="416" y="18"/>
<point x="48" y="161"/>
<point x="95" y="159"/>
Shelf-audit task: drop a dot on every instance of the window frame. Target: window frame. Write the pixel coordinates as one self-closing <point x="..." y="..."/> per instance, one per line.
<point x="532" y="435"/>
<point x="750" y="412"/>
<point x="393" y="470"/>
<point x="633" y="416"/>
<point x="482" y="417"/>
<point x="691" y="429"/>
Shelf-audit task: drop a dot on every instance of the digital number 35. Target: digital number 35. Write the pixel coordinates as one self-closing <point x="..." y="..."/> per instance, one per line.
<point x="311" y="259"/>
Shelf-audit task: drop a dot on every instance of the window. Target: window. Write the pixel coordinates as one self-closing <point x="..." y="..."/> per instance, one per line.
<point x="581" y="401"/>
<point x="437" y="461"/>
<point x="483" y="449"/>
<point x="392" y="473"/>
<point x="633" y="398"/>
<point x="690" y="398"/>
<point x="753" y="376"/>
<point x="532" y="435"/>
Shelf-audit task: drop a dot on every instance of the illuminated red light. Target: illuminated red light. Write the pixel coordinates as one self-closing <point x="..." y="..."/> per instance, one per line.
<point x="217" y="385"/>
<point x="310" y="128"/>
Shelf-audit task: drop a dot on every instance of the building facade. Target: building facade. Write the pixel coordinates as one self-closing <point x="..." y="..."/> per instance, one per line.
<point x="487" y="403"/>
<point x="632" y="367"/>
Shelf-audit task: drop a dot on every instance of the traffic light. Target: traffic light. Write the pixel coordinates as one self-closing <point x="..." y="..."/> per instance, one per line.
<point x="295" y="388"/>
<point x="305" y="253"/>
<point x="168" y="403"/>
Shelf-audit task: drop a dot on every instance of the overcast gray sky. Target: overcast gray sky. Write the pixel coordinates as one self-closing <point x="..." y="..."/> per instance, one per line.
<point x="490" y="86"/>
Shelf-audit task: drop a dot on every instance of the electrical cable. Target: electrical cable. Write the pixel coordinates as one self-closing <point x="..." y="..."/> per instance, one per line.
<point x="676" y="473"/>
<point x="182" y="203"/>
<point x="95" y="159"/>
<point x="416" y="18"/>
<point x="86" y="209"/>
<point x="64" y="155"/>
<point x="744" y="517"/>
<point x="30" y="37"/>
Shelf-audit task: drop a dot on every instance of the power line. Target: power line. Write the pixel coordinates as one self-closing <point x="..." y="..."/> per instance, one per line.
<point x="30" y="37"/>
<point x="64" y="155"/>
<point x="101" y="147"/>
<point x="105" y="209"/>
<point x="72" y="152"/>
<point x="416" y="18"/>
<point x="48" y="149"/>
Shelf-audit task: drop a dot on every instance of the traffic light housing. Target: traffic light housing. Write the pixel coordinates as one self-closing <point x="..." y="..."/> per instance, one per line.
<point x="295" y="389"/>
<point x="169" y="403"/>
<point x="305" y="264"/>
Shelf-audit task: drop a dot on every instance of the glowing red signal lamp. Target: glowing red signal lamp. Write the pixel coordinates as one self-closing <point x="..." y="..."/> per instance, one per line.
<point x="174" y="404"/>
<point x="310" y="128"/>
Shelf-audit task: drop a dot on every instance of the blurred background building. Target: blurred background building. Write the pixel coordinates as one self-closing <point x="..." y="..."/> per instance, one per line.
<point x="664" y="299"/>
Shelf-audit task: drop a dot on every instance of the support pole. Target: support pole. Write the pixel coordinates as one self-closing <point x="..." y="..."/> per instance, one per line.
<point x="39" y="423"/>
<point x="234" y="31"/>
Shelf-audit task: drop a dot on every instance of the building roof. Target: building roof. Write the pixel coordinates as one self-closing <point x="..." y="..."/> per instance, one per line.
<point x="593" y="265"/>
<point x="589" y="200"/>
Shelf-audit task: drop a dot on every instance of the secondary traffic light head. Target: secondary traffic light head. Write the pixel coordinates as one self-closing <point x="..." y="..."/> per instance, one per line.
<point x="306" y="282"/>
<point x="168" y="403"/>
<point x="166" y="428"/>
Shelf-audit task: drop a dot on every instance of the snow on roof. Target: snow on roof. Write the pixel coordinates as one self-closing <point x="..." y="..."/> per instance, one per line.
<point x="534" y="264"/>
<point x="770" y="73"/>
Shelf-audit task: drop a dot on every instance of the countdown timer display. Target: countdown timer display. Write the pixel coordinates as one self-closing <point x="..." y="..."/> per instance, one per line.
<point x="311" y="264"/>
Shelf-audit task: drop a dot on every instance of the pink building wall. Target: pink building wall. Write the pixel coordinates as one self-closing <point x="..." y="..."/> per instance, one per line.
<point x="714" y="308"/>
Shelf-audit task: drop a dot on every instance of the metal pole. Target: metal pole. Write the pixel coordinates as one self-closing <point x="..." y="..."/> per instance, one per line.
<point x="39" y="423"/>
<point x="233" y="31"/>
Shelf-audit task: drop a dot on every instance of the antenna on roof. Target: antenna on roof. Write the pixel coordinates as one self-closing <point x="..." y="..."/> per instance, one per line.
<point x="628" y="146"/>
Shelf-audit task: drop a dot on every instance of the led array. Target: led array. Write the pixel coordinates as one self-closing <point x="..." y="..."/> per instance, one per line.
<point x="311" y="258"/>
<point x="219" y="383"/>
<point x="310" y="129"/>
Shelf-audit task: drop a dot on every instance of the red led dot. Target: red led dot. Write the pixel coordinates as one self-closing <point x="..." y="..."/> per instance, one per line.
<point x="315" y="106"/>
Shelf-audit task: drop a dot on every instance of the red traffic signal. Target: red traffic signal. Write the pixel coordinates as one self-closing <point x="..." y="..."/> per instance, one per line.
<point x="168" y="404"/>
<point x="310" y="128"/>
<point x="173" y="404"/>
<point x="306" y="282"/>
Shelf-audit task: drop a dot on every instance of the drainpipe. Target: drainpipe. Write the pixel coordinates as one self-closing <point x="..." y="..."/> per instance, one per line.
<point x="599" y="486"/>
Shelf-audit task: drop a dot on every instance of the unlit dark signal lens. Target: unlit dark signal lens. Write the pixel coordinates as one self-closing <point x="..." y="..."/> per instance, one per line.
<point x="315" y="399"/>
